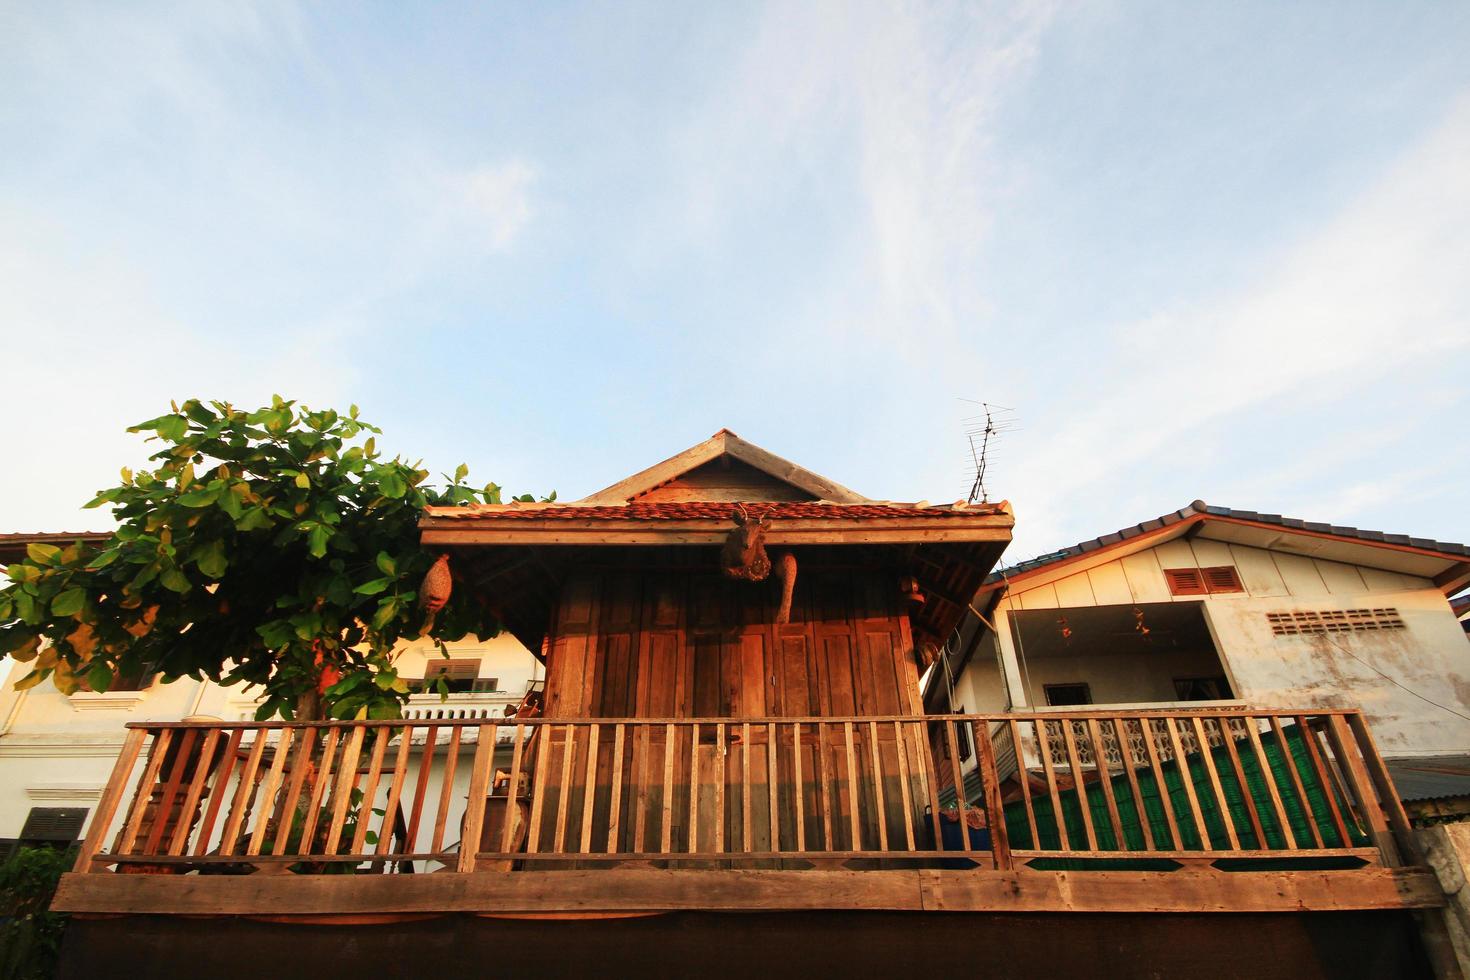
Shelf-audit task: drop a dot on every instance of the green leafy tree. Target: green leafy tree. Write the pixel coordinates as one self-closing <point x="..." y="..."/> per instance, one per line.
<point x="276" y="548"/>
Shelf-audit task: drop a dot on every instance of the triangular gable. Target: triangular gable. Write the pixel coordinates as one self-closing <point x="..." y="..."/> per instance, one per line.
<point x="695" y="474"/>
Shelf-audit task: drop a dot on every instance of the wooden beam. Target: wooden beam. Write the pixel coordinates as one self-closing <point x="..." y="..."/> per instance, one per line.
<point x="835" y="532"/>
<point x="1022" y="890"/>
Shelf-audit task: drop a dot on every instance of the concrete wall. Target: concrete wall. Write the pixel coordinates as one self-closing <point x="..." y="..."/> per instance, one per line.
<point x="1429" y="657"/>
<point x="58" y="751"/>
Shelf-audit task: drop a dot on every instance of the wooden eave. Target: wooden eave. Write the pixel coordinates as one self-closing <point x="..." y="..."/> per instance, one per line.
<point x="1452" y="575"/>
<point x="725" y="443"/>
<point x="490" y="529"/>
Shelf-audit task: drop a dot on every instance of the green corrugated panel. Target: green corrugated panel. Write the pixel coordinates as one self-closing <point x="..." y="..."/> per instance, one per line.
<point x="1209" y="810"/>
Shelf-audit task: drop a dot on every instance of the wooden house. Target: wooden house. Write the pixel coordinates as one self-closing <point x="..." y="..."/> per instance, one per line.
<point x="732" y="721"/>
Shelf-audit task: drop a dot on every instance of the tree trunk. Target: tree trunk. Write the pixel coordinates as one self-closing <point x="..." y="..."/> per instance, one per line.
<point x="309" y="705"/>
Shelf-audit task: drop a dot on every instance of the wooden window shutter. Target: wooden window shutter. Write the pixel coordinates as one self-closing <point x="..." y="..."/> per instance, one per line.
<point x="1185" y="581"/>
<point x="1222" y="578"/>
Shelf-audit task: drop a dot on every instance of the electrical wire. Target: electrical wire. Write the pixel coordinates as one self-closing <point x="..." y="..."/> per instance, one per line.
<point x="1392" y="681"/>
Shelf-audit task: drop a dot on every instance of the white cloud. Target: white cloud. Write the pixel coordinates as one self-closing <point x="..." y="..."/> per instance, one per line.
<point x="500" y="200"/>
<point x="1381" y="288"/>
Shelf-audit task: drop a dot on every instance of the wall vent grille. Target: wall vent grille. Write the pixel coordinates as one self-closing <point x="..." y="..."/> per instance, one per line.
<point x="1304" y="623"/>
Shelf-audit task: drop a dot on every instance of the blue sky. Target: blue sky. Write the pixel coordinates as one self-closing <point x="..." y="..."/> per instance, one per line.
<point x="1203" y="251"/>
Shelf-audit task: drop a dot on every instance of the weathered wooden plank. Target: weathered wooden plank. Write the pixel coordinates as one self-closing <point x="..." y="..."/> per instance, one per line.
<point x="772" y="790"/>
<point x="1288" y="836"/>
<point x="168" y="801"/>
<point x="305" y="744"/>
<point x="1361" y="788"/>
<point x="1186" y="779"/>
<point x="421" y="784"/>
<point x="323" y="780"/>
<point x="474" y="815"/>
<point x="1388" y="797"/>
<point x="878" y="803"/>
<point x="395" y="793"/>
<point x="745" y="841"/>
<point x="1324" y="778"/>
<point x="117" y="784"/>
<point x="202" y="770"/>
<point x="1079" y="785"/>
<point x="1000" y="841"/>
<point x="370" y="790"/>
<point x="900" y="745"/>
<point x="1296" y="779"/>
<point x="589" y="789"/>
<point x="217" y="793"/>
<point x="342" y="792"/>
<point x="615" y="802"/>
<point x="244" y="794"/>
<point x="446" y="788"/>
<point x="1120" y="731"/>
<point x="1214" y="776"/>
<point x="1175" y="840"/>
<point x="658" y="889"/>
<point x="539" y="781"/>
<point x="1105" y="777"/>
<point x="1247" y="797"/>
<point x="268" y="794"/>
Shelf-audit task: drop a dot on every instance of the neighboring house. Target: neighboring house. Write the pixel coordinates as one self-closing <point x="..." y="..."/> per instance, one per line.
<point x="57" y="750"/>
<point x="1213" y="606"/>
<point x="735" y="773"/>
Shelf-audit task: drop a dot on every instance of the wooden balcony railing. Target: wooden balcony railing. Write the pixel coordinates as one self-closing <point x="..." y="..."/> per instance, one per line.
<point x="1078" y="790"/>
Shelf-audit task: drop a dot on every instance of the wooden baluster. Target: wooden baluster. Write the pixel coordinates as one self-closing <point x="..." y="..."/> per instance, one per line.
<point x="667" y="839"/>
<point x="930" y="766"/>
<point x="745" y="787"/>
<point x="1125" y="755"/>
<point x="474" y="814"/>
<point x="446" y="789"/>
<point x="693" y="787"/>
<point x="1288" y="835"/>
<point x="773" y="803"/>
<point x="1000" y="837"/>
<point x="1014" y="727"/>
<point x="1398" y="821"/>
<point x="244" y="795"/>
<point x="1324" y="778"/>
<point x="1223" y="804"/>
<point x="589" y="788"/>
<point x="642" y="752"/>
<point x="853" y="795"/>
<point x="1105" y="778"/>
<point x="395" y="794"/>
<point x="720" y="788"/>
<point x="319" y="790"/>
<point x="538" y="786"/>
<point x="615" y="804"/>
<point x="961" y="804"/>
<point x="1176" y="839"/>
<point x="117" y="784"/>
<point x="826" y="786"/>
<point x="1186" y="777"/>
<point x="800" y="792"/>
<point x="268" y="802"/>
<point x="370" y="789"/>
<point x="162" y="739"/>
<point x="1247" y="798"/>
<point x="900" y="745"/>
<point x="346" y="783"/>
<point x="169" y="801"/>
<point x="1361" y="788"/>
<point x="1288" y="759"/>
<point x="421" y="786"/>
<point x="1079" y="783"/>
<point x="196" y="787"/>
<point x="1064" y="836"/>
<point x="217" y="794"/>
<point x="305" y="743"/>
<point x="513" y="791"/>
<point x="878" y="801"/>
<point x="563" y="799"/>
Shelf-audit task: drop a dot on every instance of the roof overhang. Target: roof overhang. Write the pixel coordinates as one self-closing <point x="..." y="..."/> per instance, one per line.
<point x="1448" y="566"/>
<point x="486" y="527"/>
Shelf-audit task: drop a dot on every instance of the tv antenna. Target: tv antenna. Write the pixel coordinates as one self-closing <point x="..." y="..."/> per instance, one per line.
<point x="983" y="431"/>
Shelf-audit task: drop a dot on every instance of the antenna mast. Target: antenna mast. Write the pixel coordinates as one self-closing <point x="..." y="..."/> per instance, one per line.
<point x="983" y="431"/>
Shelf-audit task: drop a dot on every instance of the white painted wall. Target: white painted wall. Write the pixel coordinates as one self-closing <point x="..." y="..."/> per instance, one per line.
<point x="1430" y="657"/>
<point x="57" y="750"/>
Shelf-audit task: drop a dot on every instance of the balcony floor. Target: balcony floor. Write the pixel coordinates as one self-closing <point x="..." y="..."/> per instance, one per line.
<point x="620" y="891"/>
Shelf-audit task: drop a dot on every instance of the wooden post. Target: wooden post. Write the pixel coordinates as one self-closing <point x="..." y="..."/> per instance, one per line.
<point x="117" y="784"/>
<point x="1000" y="841"/>
<point x="474" y="814"/>
<point x="1388" y="796"/>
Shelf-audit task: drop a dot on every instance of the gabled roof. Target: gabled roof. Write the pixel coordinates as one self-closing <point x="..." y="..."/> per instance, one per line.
<point x="1446" y="563"/>
<point x="725" y="443"/>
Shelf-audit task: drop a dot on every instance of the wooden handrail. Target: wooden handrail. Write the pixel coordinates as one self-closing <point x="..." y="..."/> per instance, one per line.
<point x="1173" y="784"/>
